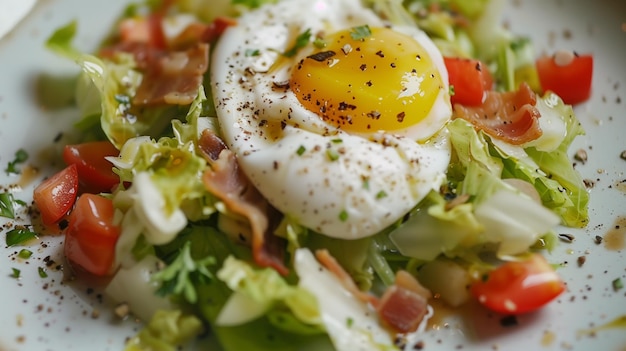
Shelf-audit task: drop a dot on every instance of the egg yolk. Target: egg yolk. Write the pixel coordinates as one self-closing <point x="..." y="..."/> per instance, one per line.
<point x="382" y="81"/>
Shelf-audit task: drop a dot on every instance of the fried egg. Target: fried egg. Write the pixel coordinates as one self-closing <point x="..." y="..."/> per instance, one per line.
<point x="335" y="116"/>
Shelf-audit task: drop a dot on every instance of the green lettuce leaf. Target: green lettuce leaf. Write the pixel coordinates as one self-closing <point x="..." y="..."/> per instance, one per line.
<point x="557" y="166"/>
<point x="288" y="307"/>
<point x="166" y="331"/>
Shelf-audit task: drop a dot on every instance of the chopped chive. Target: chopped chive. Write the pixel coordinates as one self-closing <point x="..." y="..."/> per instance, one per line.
<point x="343" y="215"/>
<point x="451" y="90"/>
<point x="617" y="284"/>
<point x="301" y="150"/>
<point x="19" y="236"/>
<point x="16" y="273"/>
<point x="350" y="322"/>
<point x="333" y="155"/>
<point x="337" y="141"/>
<point x="360" y="32"/>
<point x="42" y="272"/>
<point x="381" y="194"/>
<point x="6" y="205"/>
<point x="252" y="52"/>
<point x="25" y="254"/>
<point x="319" y="43"/>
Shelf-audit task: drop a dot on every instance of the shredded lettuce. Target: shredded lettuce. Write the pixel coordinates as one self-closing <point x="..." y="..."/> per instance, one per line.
<point x="165" y="332"/>
<point x="350" y="323"/>
<point x="557" y="166"/>
<point x="288" y="307"/>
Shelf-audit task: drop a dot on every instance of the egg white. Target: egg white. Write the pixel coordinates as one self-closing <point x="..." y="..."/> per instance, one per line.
<point x="285" y="149"/>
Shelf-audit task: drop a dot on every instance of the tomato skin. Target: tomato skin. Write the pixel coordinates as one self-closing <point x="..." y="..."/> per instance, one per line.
<point x="572" y="82"/>
<point x="470" y="80"/>
<point x="91" y="234"/>
<point x="55" y="196"/>
<point x="519" y="286"/>
<point x="95" y="173"/>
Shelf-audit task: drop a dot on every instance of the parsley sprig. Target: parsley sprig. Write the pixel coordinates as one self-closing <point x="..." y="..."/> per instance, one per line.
<point x="301" y="41"/>
<point x="20" y="157"/>
<point x="181" y="276"/>
<point x="360" y="32"/>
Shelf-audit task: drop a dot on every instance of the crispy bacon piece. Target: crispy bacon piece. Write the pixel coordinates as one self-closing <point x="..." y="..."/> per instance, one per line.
<point x="173" y="68"/>
<point x="174" y="78"/>
<point x="510" y="116"/>
<point x="226" y="181"/>
<point x="404" y="304"/>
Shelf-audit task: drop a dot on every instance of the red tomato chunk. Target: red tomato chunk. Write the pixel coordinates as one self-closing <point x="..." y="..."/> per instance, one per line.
<point x="567" y="74"/>
<point x="519" y="286"/>
<point x="55" y="196"/>
<point x="91" y="234"/>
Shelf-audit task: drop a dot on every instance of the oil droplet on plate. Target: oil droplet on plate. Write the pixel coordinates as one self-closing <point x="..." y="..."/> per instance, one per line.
<point x="619" y="322"/>
<point x="28" y="175"/>
<point x="614" y="239"/>
<point x="548" y="338"/>
<point x="621" y="185"/>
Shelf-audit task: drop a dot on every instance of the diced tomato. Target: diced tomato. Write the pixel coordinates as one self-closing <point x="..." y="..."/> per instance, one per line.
<point x="55" y="196"/>
<point x="519" y="286"/>
<point x="95" y="173"/>
<point x="91" y="234"/>
<point x="570" y="79"/>
<point x="469" y="79"/>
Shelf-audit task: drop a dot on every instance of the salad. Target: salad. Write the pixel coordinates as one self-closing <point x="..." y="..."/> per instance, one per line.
<point x="164" y="197"/>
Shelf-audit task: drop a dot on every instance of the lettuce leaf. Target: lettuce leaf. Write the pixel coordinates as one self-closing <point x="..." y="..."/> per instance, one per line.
<point x="557" y="166"/>
<point x="264" y="291"/>
<point x="165" y="332"/>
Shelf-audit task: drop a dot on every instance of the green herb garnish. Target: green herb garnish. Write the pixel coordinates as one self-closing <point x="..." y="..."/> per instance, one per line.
<point x="19" y="236"/>
<point x="25" y="254"/>
<point x="360" y="32"/>
<point x="252" y="52"/>
<point x="617" y="284"/>
<point x="16" y="273"/>
<point x="333" y="155"/>
<point x="6" y="205"/>
<point x="381" y="194"/>
<point x="183" y="274"/>
<point x="343" y="215"/>
<point x="42" y="272"/>
<point x="301" y="41"/>
<point x="20" y="157"/>
<point x="319" y="43"/>
<point x="301" y="150"/>
<point x="253" y="4"/>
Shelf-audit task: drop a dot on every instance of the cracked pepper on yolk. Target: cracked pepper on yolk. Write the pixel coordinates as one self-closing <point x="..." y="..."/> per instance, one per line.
<point x="384" y="81"/>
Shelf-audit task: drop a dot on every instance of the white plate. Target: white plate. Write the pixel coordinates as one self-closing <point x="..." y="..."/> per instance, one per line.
<point x="54" y="314"/>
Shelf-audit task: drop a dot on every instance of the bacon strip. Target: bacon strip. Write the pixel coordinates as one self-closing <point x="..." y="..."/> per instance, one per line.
<point x="226" y="181"/>
<point x="510" y="116"/>
<point x="174" y="78"/>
